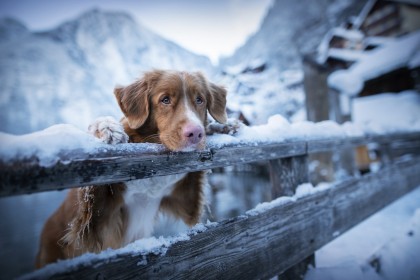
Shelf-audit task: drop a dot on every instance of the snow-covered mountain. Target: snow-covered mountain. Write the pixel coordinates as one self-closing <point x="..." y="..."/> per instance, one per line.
<point x="67" y="74"/>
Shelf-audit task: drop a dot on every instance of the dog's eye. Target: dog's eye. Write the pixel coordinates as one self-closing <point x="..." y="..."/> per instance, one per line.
<point x="199" y="100"/>
<point x="166" y="100"/>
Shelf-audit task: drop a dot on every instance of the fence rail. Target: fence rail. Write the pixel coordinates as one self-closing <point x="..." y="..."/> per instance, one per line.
<point x="113" y="165"/>
<point x="262" y="245"/>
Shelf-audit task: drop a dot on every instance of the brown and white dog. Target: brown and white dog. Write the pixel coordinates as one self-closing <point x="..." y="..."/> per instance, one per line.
<point x="166" y="107"/>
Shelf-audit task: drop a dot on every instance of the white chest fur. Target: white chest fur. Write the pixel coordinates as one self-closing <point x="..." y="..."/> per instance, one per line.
<point x="142" y="199"/>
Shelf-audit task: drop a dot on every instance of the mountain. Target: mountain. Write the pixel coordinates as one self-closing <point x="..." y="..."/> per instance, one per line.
<point x="264" y="76"/>
<point x="67" y="74"/>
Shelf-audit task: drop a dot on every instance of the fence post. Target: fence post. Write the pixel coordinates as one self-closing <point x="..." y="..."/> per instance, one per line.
<point x="285" y="175"/>
<point x="341" y="112"/>
<point x="317" y="105"/>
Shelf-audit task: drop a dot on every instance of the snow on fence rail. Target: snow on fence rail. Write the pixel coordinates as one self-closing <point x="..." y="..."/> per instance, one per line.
<point x="125" y="162"/>
<point x="271" y="239"/>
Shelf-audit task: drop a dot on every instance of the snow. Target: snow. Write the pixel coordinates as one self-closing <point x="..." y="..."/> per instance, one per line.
<point x="415" y="61"/>
<point x="278" y="129"/>
<point x="266" y="206"/>
<point x="301" y="191"/>
<point x="390" y="56"/>
<point x="53" y="144"/>
<point x="346" y="82"/>
<point x="401" y="251"/>
<point x="139" y="248"/>
<point x="248" y="93"/>
<point x="390" y="236"/>
<point x="377" y="40"/>
<point x="353" y="36"/>
<point x="307" y="189"/>
<point x="388" y="112"/>
<point x="345" y="271"/>
<point x="46" y="144"/>
<point x="346" y="54"/>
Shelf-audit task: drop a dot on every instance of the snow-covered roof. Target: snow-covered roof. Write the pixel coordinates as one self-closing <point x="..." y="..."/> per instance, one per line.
<point x="346" y="54"/>
<point x="323" y="51"/>
<point x="395" y="54"/>
<point x="350" y="34"/>
<point x="377" y="40"/>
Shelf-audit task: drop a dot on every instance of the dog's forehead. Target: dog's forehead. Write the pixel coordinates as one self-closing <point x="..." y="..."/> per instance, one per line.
<point x="193" y="82"/>
<point x="180" y="83"/>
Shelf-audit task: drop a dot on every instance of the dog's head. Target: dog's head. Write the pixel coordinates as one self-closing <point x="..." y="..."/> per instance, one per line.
<point x="170" y="107"/>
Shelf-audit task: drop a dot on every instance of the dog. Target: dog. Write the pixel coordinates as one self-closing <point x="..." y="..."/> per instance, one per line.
<point x="166" y="107"/>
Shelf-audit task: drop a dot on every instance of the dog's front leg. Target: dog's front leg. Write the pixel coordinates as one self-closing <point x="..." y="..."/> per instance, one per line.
<point x="108" y="130"/>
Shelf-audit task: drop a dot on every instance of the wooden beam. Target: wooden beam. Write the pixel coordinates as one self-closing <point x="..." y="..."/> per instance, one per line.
<point x="286" y="174"/>
<point x="257" y="245"/>
<point x="114" y="164"/>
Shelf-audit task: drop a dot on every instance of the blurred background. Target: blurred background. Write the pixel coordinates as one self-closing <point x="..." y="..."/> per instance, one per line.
<point x="338" y="60"/>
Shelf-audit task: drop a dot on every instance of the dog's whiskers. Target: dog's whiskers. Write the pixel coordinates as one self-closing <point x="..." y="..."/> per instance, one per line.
<point x="153" y="138"/>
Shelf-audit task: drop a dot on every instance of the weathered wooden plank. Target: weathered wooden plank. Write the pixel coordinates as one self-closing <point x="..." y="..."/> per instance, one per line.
<point x="334" y="143"/>
<point x="114" y="165"/>
<point x="262" y="245"/>
<point x="399" y="148"/>
<point x="325" y="145"/>
<point x="103" y="168"/>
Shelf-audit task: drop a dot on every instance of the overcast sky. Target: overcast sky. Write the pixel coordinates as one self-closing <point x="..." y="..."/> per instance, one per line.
<point x="209" y="27"/>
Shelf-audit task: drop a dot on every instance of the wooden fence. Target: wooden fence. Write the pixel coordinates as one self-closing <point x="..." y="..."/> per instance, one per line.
<point x="259" y="244"/>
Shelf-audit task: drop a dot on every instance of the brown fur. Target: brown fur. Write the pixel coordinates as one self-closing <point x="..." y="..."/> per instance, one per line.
<point x="95" y="218"/>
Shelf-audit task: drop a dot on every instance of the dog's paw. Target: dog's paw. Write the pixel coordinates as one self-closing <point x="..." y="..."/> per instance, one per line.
<point x="231" y="127"/>
<point x="108" y="130"/>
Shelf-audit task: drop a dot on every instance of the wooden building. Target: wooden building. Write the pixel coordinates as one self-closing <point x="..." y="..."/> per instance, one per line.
<point x="379" y="23"/>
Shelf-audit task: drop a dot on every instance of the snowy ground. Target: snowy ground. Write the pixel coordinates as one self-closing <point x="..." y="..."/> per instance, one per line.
<point x="392" y="234"/>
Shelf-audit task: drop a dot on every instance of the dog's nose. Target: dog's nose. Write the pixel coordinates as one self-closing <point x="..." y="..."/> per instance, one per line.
<point x="193" y="133"/>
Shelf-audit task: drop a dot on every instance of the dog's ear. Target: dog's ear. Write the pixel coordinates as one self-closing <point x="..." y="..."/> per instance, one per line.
<point x="216" y="96"/>
<point x="217" y="102"/>
<point x="134" y="99"/>
<point x="134" y="103"/>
